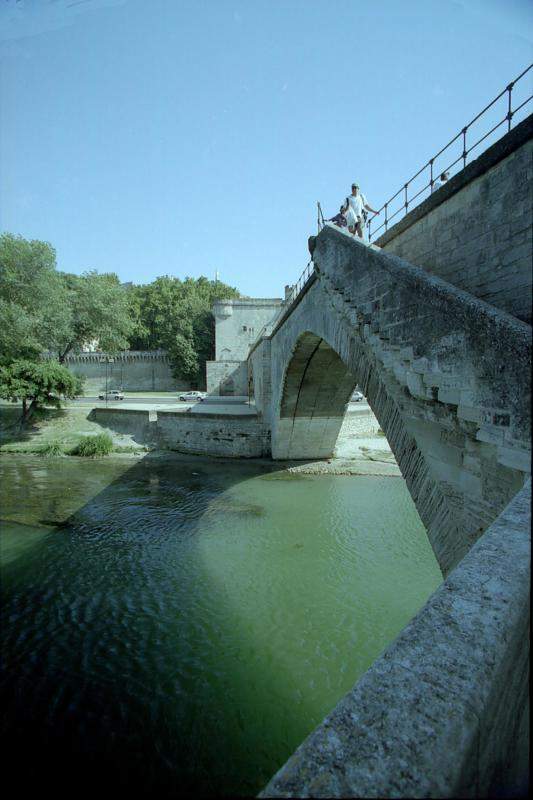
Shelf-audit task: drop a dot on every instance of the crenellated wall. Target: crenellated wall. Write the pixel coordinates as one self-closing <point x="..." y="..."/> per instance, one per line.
<point x="133" y="370"/>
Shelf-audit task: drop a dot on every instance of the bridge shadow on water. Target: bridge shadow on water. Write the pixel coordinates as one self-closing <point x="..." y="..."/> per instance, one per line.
<point x="108" y="682"/>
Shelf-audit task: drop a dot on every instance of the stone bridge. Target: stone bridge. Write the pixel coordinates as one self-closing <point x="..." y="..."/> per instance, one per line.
<point x="448" y="377"/>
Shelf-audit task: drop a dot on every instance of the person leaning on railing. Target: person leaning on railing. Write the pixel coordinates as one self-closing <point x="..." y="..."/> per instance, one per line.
<point x="340" y="218"/>
<point x="440" y="181"/>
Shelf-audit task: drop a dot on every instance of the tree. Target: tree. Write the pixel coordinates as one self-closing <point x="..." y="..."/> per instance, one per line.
<point x="101" y="309"/>
<point x="34" y="313"/>
<point x="176" y="316"/>
<point x="37" y="384"/>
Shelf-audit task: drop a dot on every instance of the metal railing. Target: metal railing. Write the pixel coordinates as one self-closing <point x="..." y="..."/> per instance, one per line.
<point x="302" y="281"/>
<point x="402" y="193"/>
<point x="290" y="299"/>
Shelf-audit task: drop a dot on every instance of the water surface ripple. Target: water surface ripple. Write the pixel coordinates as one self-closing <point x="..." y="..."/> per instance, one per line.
<point x="182" y="625"/>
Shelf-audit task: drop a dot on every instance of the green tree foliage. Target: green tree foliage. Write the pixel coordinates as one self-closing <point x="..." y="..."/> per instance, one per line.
<point x="37" y="384"/>
<point x="34" y="313"/>
<point x="43" y="309"/>
<point x="175" y="315"/>
<point x="100" y="309"/>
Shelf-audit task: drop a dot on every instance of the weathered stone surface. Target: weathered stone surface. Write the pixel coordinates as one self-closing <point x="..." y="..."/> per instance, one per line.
<point x="226" y="435"/>
<point x="439" y="713"/>
<point x="476" y="231"/>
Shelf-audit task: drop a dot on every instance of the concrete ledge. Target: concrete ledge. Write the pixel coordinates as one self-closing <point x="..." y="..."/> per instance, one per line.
<point x="488" y="159"/>
<point x="442" y="712"/>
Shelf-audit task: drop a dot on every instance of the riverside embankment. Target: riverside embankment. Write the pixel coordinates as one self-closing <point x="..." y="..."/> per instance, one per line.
<point x="216" y="431"/>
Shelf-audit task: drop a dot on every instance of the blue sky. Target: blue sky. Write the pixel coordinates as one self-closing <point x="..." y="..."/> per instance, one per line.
<point x="152" y="137"/>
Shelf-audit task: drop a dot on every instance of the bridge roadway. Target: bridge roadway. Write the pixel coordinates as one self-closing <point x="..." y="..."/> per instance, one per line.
<point x="448" y="378"/>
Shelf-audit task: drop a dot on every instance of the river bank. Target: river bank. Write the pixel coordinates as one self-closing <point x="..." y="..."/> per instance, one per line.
<point x="361" y="449"/>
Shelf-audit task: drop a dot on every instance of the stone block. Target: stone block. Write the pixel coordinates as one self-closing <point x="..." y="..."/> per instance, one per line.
<point x="514" y="458"/>
<point x="490" y="435"/>
<point x="449" y="395"/>
<point x="468" y="413"/>
<point x="420" y="365"/>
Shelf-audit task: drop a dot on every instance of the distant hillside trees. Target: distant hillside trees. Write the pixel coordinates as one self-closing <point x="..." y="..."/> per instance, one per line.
<point x="175" y="316"/>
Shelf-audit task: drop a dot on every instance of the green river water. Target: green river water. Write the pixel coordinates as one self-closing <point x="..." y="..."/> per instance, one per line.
<point x="181" y="625"/>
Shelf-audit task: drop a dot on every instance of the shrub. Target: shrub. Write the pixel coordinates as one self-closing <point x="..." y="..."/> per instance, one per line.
<point x="93" y="446"/>
<point x="380" y="432"/>
<point x="51" y="449"/>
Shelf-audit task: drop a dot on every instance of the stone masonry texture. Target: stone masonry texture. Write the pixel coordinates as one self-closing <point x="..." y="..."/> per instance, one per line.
<point x="476" y="231"/>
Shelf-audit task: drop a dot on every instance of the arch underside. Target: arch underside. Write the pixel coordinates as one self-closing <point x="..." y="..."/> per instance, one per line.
<point x="317" y="387"/>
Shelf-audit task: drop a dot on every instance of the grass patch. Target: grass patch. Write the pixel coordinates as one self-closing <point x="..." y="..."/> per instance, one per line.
<point x="94" y="446"/>
<point x="380" y="432"/>
<point x="50" y="449"/>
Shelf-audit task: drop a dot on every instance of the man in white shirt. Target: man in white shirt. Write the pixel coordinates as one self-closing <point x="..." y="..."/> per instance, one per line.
<point x="356" y="213"/>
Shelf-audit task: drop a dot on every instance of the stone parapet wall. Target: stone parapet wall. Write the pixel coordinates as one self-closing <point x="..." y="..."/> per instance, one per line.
<point x="443" y="712"/>
<point x="225" y="435"/>
<point x="476" y="231"/>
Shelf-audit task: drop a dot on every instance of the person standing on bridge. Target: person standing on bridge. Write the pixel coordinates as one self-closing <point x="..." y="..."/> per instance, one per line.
<point x="357" y="211"/>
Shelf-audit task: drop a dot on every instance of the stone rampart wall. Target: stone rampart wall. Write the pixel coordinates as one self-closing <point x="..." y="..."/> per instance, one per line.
<point x="476" y="231"/>
<point x="225" y="435"/>
<point x="133" y="371"/>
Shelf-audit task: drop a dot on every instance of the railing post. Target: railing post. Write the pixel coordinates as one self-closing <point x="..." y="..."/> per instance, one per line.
<point x="509" y="112"/>
<point x="406" y="203"/>
<point x="431" y="176"/>
<point x="386" y="220"/>
<point x="464" y="147"/>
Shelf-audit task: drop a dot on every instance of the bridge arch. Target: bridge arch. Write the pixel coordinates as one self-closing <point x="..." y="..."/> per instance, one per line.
<point x="317" y="360"/>
<point x="316" y="388"/>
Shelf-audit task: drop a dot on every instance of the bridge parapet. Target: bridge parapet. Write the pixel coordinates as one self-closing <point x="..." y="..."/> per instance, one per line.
<point x="443" y="345"/>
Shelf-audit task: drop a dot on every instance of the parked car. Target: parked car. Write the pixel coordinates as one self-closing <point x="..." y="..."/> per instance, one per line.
<point x="357" y="397"/>
<point x="113" y="394"/>
<point x="191" y="397"/>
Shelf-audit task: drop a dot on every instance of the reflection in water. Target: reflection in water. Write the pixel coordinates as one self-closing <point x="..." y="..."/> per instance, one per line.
<point x="189" y="623"/>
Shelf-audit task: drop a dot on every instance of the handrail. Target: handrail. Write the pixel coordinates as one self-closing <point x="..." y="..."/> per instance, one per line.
<point x="295" y="292"/>
<point x="407" y="201"/>
<point x="302" y="281"/>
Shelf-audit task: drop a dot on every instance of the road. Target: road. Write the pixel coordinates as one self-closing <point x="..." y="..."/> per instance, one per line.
<point x="149" y="401"/>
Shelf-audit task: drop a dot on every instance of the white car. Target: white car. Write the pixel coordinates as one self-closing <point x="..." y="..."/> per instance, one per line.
<point x="357" y="397"/>
<point x="192" y="397"/>
<point x="114" y="394"/>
